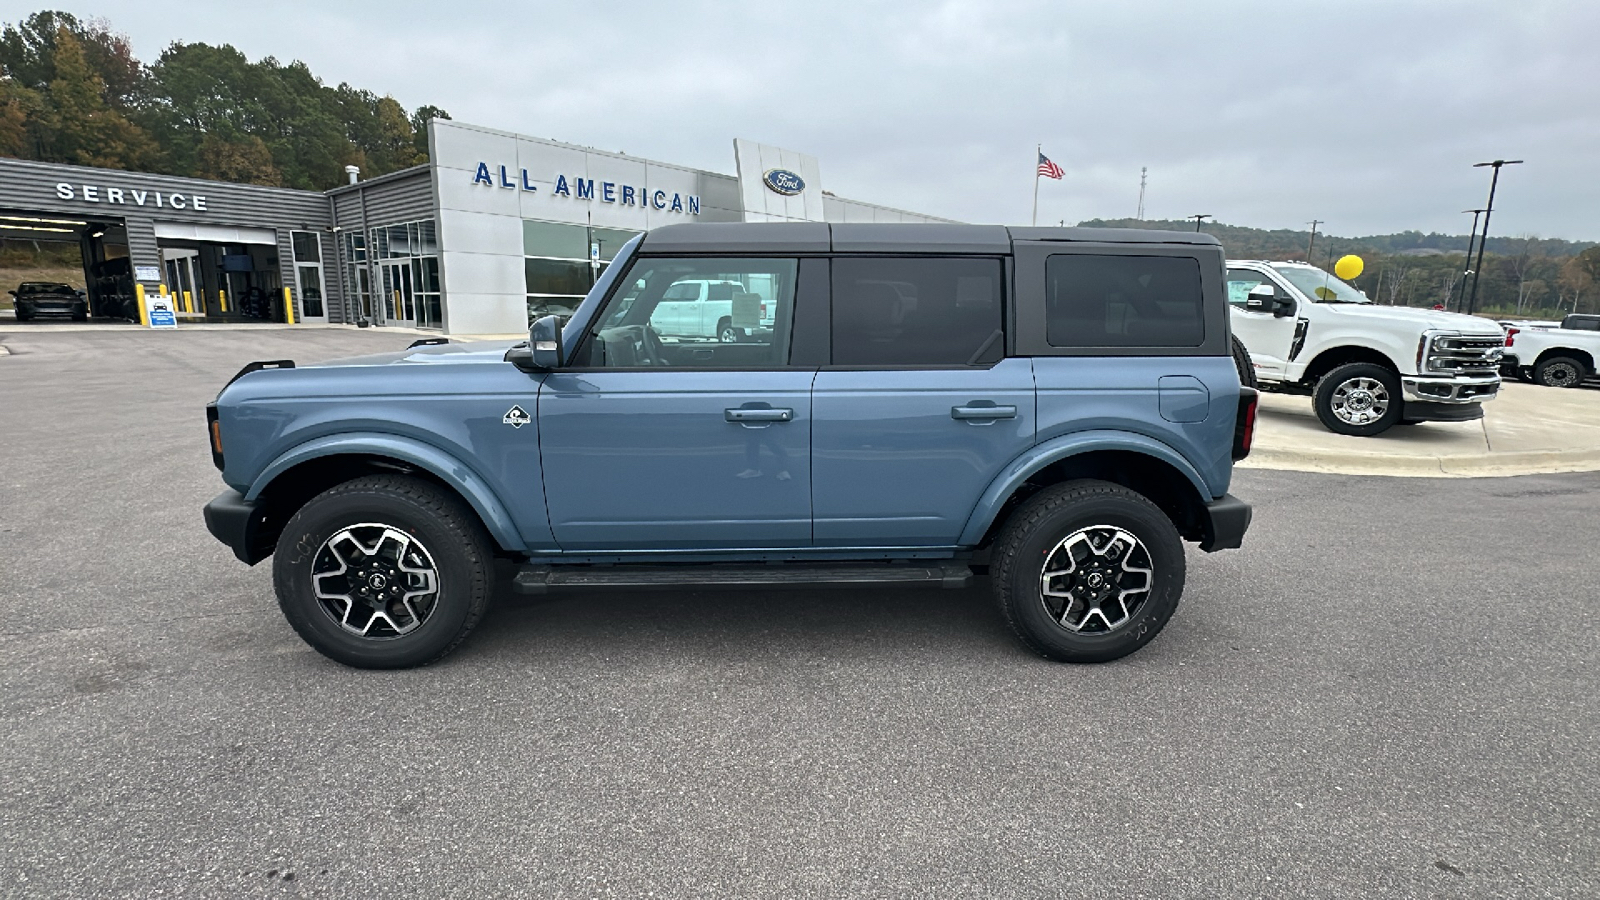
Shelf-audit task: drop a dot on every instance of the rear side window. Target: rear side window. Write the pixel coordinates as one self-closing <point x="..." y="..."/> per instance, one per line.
<point x="1123" y="301"/>
<point x="917" y="312"/>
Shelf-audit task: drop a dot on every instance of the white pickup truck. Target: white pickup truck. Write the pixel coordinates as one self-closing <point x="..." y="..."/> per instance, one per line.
<point x="1554" y="357"/>
<point x="1367" y="367"/>
<point x="725" y="311"/>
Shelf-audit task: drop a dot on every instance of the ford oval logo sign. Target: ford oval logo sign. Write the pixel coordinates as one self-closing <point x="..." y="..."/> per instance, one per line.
<point x="784" y="182"/>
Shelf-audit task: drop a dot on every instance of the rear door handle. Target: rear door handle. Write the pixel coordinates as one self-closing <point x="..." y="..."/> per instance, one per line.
<point x="758" y="415"/>
<point x="983" y="412"/>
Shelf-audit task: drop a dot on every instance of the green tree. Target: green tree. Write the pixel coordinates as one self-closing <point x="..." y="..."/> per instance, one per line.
<point x="19" y="111"/>
<point x="246" y="160"/>
<point x="83" y="129"/>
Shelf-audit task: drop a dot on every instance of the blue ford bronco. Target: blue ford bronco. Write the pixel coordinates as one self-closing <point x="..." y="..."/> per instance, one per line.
<point x="1057" y="408"/>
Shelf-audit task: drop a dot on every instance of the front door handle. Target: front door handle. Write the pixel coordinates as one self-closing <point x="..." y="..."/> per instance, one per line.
<point x="758" y="415"/>
<point x="983" y="412"/>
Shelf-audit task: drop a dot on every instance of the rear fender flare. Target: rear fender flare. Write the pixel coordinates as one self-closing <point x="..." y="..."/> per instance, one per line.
<point x="1040" y="455"/>
<point x="447" y="468"/>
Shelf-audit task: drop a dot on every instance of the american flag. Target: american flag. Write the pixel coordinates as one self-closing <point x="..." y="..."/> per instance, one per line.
<point x="1049" y="169"/>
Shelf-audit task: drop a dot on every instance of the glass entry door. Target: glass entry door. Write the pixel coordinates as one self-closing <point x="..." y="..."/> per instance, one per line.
<point x="399" y="297"/>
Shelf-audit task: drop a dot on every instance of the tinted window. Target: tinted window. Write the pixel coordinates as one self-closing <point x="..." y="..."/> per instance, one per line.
<point x="1123" y="301"/>
<point x="742" y="323"/>
<point x="916" y="312"/>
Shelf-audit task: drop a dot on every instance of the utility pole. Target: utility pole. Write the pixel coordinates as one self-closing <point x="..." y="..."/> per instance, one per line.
<point x="1313" y="242"/>
<point x="1466" y="268"/>
<point x="1198" y="218"/>
<point x="1488" y="211"/>
<point x="1142" y="171"/>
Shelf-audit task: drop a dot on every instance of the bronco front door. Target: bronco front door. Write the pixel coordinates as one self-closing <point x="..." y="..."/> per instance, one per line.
<point x="661" y="442"/>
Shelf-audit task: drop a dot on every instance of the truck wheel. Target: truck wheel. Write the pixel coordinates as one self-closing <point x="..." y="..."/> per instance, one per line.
<point x="1087" y="571"/>
<point x="1241" y="361"/>
<point x="726" y="333"/>
<point x="383" y="572"/>
<point x="1362" y="399"/>
<point x="1560" y="371"/>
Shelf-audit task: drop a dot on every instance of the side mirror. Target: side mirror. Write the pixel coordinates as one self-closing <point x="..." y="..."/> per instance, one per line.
<point x="542" y="352"/>
<point x="1282" y="307"/>
<point x="1261" y="298"/>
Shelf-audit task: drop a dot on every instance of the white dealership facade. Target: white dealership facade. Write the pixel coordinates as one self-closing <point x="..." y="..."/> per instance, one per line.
<point x="495" y="228"/>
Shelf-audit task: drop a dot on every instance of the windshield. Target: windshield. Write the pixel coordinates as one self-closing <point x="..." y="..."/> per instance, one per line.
<point x="1319" y="285"/>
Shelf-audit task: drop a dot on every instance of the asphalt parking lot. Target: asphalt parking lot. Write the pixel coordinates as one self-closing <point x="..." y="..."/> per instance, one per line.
<point x="1392" y="690"/>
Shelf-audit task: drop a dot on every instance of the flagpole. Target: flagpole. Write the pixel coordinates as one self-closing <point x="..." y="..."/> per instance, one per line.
<point x="1038" y="151"/>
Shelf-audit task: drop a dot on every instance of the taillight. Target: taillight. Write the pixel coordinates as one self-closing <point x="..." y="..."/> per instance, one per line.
<point x="1511" y="335"/>
<point x="214" y="431"/>
<point x="1244" y="426"/>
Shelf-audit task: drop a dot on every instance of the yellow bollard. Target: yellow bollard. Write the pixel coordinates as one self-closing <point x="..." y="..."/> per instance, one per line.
<point x="144" y="314"/>
<point x="222" y="297"/>
<point x="288" y="307"/>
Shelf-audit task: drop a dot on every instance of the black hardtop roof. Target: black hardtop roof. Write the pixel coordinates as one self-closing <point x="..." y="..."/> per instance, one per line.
<point x="897" y="237"/>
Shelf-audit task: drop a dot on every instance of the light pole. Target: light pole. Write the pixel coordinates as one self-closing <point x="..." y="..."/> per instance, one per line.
<point x="1466" y="268"/>
<point x="1477" y="270"/>
<point x="1198" y="218"/>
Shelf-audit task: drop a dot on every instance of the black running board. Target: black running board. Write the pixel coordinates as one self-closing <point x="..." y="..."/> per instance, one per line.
<point x="535" y="579"/>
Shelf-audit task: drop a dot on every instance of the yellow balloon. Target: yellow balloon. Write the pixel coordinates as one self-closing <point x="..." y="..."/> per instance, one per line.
<point x="1348" y="267"/>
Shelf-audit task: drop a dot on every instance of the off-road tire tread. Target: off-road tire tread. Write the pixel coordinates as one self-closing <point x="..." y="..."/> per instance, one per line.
<point x="451" y="513"/>
<point x="1242" y="362"/>
<point x="1008" y="543"/>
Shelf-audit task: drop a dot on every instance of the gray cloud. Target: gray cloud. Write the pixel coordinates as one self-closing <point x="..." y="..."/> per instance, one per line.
<point x="1367" y="115"/>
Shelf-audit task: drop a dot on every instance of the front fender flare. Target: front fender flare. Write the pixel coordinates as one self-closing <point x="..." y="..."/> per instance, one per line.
<point x="1056" y="449"/>
<point x="447" y="468"/>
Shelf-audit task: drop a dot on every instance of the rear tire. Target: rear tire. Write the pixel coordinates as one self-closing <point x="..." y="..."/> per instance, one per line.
<point x="1087" y="571"/>
<point x="1242" y="362"/>
<point x="1560" y="371"/>
<point x="383" y="572"/>
<point x="726" y="333"/>
<point x="1360" y="399"/>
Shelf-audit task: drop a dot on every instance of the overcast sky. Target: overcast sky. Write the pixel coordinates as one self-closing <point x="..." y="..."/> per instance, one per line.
<point x="1367" y="115"/>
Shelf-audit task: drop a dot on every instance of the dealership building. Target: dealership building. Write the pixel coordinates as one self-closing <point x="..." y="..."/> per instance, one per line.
<point x="495" y="228"/>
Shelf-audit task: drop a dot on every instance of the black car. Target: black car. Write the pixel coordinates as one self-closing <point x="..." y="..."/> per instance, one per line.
<point x="42" y="298"/>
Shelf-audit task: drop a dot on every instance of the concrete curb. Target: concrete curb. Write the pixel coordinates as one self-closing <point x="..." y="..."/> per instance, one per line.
<point x="1480" y="465"/>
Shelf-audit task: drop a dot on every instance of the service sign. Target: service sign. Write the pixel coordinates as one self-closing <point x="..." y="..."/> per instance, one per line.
<point x="147" y="273"/>
<point x="159" y="308"/>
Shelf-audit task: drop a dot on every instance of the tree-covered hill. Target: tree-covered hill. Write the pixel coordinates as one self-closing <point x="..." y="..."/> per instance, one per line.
<point x="72" y="91"/>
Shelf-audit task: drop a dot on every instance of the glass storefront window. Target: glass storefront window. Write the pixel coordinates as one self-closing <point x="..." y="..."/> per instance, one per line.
<point x="550" y="239"/>
<point x="429" y="238"/>
<point x="610" y="241"/>
<point x="557" y="276"/>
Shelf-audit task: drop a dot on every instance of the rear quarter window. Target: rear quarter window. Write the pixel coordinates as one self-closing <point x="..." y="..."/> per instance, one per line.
<point x="1123" y="301"/>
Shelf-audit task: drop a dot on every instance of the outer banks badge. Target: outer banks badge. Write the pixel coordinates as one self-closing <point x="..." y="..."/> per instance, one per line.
<point x="516" y="417"/>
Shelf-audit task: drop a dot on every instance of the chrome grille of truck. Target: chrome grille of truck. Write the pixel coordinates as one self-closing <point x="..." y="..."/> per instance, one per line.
<point x="1465" y="355"/>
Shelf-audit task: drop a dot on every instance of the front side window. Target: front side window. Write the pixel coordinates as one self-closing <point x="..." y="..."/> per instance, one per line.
<point x="1242" y="281"/>
<point x="686" y="312"/>
<point x="1123" y="301"/>
<point x="917" y="311"/>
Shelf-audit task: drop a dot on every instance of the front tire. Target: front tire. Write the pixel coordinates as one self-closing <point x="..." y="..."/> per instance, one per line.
<point x="1360" y="399"/>
<point x="383" y="572"/>
<point x="1087" y="571"/>
<point x="1560" y="371"/>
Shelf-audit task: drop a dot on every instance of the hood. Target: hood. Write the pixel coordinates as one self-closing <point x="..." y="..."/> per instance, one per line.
<point x="434" y="354"/>
<point x="1422" y="319"/>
